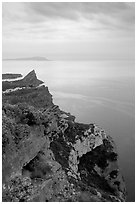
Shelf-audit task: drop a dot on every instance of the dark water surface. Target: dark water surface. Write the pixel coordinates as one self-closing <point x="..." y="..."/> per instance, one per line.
<point x="102" y="92"/>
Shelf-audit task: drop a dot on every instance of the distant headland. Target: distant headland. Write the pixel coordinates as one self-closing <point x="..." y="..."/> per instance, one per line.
<point x="27" y="59"/>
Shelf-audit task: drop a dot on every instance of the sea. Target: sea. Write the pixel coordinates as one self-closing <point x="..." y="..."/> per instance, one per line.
<point x="100" y="92"/>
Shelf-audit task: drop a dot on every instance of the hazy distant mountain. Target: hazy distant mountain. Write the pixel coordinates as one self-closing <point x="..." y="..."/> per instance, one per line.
<point x="28" y="59"/>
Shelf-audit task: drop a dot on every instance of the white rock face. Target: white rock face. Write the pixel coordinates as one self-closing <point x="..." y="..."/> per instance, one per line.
<point x="87" y="142"/>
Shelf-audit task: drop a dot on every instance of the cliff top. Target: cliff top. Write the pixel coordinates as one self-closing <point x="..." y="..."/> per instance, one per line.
<point x="11" y="76"/>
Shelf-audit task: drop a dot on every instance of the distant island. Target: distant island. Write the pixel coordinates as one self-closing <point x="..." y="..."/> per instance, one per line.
<point x="28" y="59"/>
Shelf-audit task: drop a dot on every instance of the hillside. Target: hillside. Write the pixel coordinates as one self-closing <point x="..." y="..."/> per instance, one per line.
<point x="48" y="157"/>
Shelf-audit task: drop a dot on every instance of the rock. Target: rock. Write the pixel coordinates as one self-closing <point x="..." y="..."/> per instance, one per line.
<point x="47" y="156"/>
<point x="28" y="81"/>
<point x="31" y="79"/>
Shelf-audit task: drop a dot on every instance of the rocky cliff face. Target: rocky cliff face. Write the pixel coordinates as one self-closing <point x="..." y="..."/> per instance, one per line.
<point x="47" y="156"/>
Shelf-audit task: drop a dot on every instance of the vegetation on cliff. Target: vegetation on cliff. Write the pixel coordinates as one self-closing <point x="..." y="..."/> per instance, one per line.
<point x="47" y="156"/>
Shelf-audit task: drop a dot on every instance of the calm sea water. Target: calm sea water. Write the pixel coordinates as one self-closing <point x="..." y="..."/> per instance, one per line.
<point x="102" y="92"/>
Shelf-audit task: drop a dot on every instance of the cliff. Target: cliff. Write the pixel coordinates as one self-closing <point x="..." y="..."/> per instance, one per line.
<point x="11" y="76"/>
<point x="49" y="157"/>
<point x="28" y="81"/>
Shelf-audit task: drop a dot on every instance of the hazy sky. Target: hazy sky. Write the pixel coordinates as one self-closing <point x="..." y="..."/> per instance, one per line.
<point x="69" y="30"/>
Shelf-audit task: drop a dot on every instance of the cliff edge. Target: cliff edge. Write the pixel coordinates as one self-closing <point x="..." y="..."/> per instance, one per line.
<point x="49" y="157"/>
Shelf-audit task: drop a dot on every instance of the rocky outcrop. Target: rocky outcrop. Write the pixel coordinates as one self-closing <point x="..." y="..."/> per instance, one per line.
<point x="47" y="156"/>
<point x="31" y="80"/>
<point x="27" y="82"/>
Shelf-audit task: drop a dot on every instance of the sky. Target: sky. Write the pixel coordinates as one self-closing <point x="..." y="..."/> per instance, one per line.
<point x="69" y="30"/>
